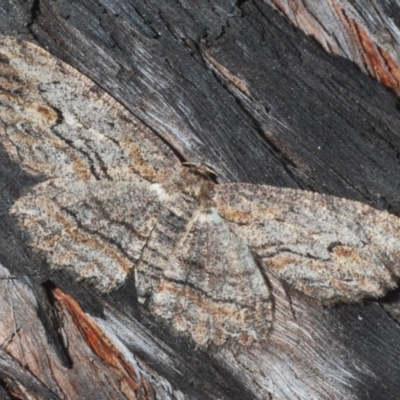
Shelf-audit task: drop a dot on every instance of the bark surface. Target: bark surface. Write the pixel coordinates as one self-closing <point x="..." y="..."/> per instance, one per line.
<point x="233" y="85"/>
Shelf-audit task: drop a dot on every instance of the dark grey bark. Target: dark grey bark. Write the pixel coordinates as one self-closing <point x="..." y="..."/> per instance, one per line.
<point x="235" y="86"/>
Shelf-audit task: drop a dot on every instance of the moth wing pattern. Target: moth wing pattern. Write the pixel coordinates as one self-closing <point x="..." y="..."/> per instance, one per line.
<point x="332" y="249"/>
<point x="206" y="283"/>
<point x="56" y="122"/>
<point x="95" y="229"/>
<point x="116" y="201"/>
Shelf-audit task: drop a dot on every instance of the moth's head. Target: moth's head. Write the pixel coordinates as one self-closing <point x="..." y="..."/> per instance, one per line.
<point x="202" y="170"/>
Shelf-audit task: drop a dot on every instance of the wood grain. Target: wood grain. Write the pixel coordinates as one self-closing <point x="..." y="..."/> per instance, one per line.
<point x="312" y="120"/>
<point x="363" y="31"/>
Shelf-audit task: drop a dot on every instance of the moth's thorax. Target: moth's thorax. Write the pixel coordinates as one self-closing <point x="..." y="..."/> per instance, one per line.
<point x="194" y="181"/>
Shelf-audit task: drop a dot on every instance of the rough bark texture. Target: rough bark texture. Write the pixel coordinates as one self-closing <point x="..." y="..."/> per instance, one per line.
<point x="364" y="31"/>
<point x="232" y="85"/>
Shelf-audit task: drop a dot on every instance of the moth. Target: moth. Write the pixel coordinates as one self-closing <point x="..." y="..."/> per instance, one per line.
<point x="116" y="201"/>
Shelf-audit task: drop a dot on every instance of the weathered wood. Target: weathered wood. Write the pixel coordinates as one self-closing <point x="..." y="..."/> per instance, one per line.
<point x="364" y="31"/>
<point x="236" y="87"/>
